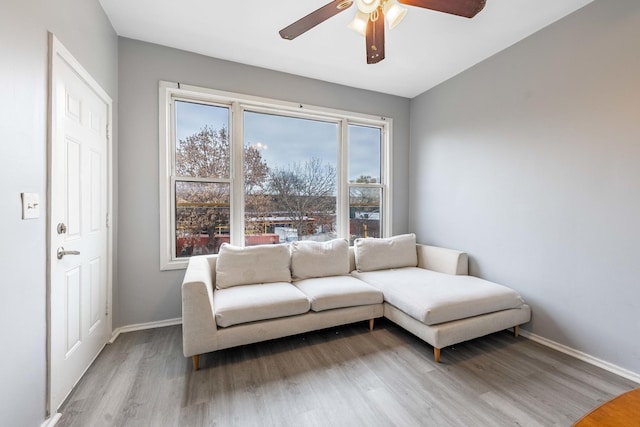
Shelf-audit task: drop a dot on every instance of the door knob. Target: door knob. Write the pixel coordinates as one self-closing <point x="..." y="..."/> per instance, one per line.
<point x="61" y="252"/>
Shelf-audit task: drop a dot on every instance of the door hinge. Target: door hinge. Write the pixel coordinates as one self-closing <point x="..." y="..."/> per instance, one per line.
<point x="107" y="223"/>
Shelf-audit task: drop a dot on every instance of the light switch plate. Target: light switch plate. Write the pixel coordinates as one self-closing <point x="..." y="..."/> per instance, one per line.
<point x="30" y="205"/>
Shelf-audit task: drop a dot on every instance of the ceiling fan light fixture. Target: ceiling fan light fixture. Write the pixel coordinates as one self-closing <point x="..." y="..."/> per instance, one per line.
<point x="359" y="23"/>
<point x="394" y="13"/>
<point x="367" y="6"/>
<point x="370" y="18"/>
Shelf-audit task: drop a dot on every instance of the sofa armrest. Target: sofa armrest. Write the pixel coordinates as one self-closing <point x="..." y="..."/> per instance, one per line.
<point x="198" y="317"/>
<point x="443" y="260"/>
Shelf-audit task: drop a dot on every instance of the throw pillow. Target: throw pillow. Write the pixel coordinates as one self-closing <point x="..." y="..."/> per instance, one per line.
<point x="378" y="254"/>
<point x="319" y="259"/>
<point x="252" y="265"/>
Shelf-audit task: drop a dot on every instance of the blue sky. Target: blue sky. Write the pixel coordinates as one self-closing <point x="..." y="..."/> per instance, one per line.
<point x="291" y="140"/>
<point x="285" y="140"/>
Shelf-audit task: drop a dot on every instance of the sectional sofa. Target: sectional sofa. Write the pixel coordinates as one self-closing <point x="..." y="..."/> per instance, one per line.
<point x="252" y="294"/>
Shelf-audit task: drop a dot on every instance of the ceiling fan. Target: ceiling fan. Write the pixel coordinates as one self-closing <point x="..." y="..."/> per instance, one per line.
<point x="369" y="20"/>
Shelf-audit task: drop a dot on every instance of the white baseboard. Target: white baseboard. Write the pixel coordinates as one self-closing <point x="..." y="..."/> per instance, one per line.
<point x="52" y="420"/>
<point x="625" y="373"/>
<point x="143" y="326"/>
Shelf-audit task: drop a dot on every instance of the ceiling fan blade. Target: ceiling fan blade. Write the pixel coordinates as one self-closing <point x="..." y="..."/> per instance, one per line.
<point x="314" y="18"/>
<point x="375" y="38"/>
<point x="466" y="8"/>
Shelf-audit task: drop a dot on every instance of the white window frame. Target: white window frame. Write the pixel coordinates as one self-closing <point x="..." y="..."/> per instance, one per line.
<point x="385" y="155"/>
<point x="169" y="92"/>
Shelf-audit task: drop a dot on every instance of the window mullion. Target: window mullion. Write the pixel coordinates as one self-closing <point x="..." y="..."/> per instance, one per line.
<point x="387" y="160"/>
<point x="199" y="179"/>
<point x="342" y="208"/>
<point x="237" y="178"/>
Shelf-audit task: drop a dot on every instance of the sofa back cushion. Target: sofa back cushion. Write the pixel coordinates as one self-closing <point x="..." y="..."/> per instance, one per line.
<point x="319" y="259"/>
<point x="379" y="254"/>
<point x="252" y="265"/>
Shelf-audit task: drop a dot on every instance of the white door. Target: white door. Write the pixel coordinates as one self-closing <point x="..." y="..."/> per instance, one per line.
<point x="79" y="321"/>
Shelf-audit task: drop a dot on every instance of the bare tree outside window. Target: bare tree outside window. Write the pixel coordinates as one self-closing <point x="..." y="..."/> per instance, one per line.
<point x="257" y="203"/>
<point x="203" y="209"/>
<point x="305" y="194"/>
<point x="204" y="154"/>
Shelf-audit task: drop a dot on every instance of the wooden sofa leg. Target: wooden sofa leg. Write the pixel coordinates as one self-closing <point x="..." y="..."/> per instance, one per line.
<point x="436" y="354"/>
<point x="371" y="324"/>
<point x="196" y="362"/>
<point x="516" y="330"/>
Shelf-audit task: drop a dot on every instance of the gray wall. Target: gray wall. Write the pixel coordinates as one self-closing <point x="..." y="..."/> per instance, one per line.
<point x="83" y="28"/>
<point x="145" y="294"/>
<point x="530" y="161"/>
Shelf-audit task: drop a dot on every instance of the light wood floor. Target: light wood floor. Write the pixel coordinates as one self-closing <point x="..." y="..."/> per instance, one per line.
<point x="343" y="376"/>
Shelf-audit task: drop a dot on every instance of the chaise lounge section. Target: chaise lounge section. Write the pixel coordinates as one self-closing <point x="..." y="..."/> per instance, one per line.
<point x="428" y="292"/>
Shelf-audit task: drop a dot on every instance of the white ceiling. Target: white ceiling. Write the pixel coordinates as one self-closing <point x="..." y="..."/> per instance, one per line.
<point x="426" y="49"/>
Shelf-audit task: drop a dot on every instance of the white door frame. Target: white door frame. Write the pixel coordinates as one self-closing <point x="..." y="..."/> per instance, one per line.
<point x="58" y="52"/>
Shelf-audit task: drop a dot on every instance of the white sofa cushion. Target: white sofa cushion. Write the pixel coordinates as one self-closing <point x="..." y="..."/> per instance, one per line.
<point x="393" y="252"/>
<point x="326" y="293"/>
<point x="432" y="298"/>
<point x="319" y="259"/>
<point x="249" y="303"/>
<point x="251" y="265"/>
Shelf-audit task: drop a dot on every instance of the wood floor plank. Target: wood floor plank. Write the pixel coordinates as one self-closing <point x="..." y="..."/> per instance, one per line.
<point x="512" y="411"/>
<point x="345" y="376"/>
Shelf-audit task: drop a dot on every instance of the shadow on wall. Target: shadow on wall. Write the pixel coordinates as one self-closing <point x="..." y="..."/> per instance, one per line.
<point x="539" y="315"/>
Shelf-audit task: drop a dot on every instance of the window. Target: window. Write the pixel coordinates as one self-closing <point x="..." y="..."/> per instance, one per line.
<point x="365" y="183"/>
<point x="251" y="171"/>
<point x="290" y="178"/>
<point x="201" y="177"/>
